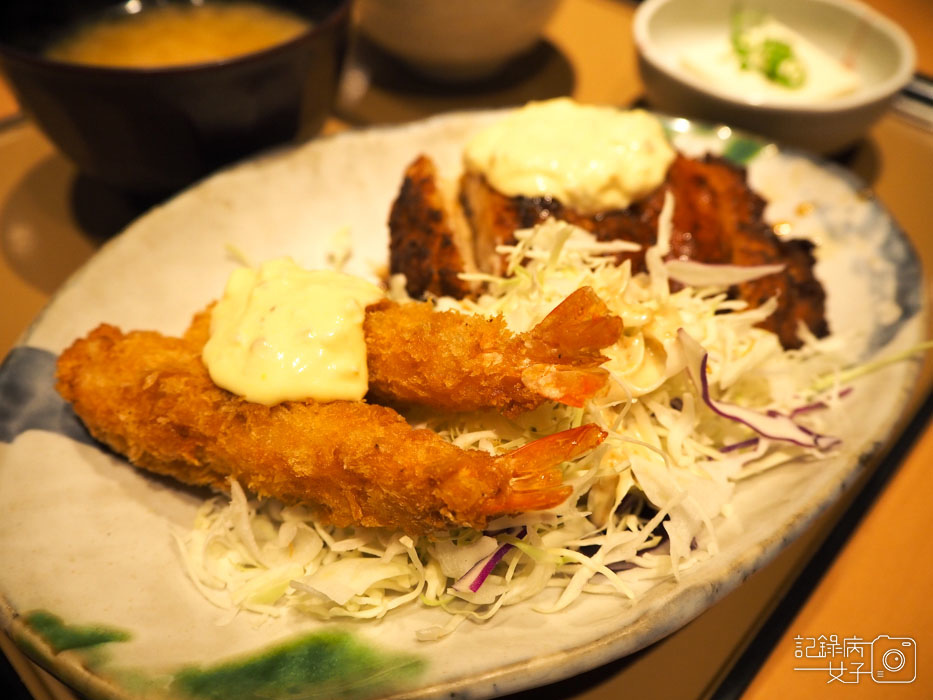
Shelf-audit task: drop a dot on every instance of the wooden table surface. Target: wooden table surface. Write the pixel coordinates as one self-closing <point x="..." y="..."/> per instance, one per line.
<point x="880" y="582"/>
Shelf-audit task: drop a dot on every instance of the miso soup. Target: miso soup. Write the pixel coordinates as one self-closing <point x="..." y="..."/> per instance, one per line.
<point x="170" y="35"/>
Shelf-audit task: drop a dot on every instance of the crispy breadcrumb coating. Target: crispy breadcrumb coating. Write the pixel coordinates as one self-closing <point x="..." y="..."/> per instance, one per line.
<point x="150" y="398"/>
<point x="458" y="362"/>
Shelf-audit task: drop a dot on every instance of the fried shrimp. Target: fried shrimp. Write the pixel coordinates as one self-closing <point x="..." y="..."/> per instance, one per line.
<point x="458" y="362"/>
<point x="150" y="398"/>
<point x="451" y="361"/>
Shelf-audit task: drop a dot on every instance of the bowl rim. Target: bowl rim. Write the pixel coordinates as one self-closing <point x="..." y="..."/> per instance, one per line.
<point x="902" y="74"/>
<point x="339" y="14"/>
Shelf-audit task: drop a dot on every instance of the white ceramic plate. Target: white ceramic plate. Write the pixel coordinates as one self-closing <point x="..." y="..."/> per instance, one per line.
<point x="91" y="583"/>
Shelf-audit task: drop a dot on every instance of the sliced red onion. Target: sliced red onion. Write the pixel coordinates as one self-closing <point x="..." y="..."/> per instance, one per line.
<point x="817" y="405"/>
<point x="697" y="274"/>
<point x="751" y="442"/>
<point x="479" y="572"/>
<point x="770" y="424"/>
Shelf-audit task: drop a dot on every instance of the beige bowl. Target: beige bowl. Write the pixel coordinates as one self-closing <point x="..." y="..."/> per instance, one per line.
<point x="878" y="50"/>
<point x="452" y="40"/>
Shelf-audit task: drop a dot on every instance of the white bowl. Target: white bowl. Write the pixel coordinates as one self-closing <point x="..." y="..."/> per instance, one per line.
<point x="454" y="40"/>
<point x="878" y="50"/>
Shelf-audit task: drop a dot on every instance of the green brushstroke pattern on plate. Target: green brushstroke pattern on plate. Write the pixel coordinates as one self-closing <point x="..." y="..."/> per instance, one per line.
<point x="737" y="148"/>
<point x="741" y="150"/>
<point x="61" y="636"/>
<point x="330" y="664"/>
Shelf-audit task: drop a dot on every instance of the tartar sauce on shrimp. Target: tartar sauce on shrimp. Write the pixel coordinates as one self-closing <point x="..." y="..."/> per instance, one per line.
<point x="603" y="158"/>
<point x="285" y="333"/>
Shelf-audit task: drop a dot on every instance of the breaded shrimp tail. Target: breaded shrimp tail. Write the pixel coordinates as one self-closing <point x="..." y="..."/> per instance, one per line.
<point x="150" y="398"/>
<point x="459" y="362"/>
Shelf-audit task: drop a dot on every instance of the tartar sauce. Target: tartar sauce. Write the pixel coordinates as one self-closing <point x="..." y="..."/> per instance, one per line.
<point x="590" y="158"/>
<point x="641" y="355"/>
<point x="716" y="61"/>
<point x="285" y="333"/>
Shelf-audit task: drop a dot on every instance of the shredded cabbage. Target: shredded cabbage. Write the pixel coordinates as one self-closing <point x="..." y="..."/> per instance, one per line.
<point x="646" y="505"/>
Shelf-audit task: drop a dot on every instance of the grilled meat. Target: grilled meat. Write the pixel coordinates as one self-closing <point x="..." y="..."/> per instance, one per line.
<point x="428" y="239"/>
<point x="717" y="219"/>
<point x="494" y="218"/>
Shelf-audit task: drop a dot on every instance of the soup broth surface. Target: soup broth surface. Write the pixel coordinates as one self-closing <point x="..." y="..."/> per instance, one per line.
<point x="170" y="35"/>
